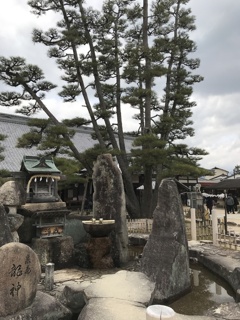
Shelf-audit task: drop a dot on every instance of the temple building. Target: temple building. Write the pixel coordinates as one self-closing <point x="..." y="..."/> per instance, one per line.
<point x="32" y="163"/>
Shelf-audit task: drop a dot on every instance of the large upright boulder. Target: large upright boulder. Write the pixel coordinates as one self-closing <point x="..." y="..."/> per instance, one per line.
<point x="165" y="256"/>
<point x="109" y="200"/>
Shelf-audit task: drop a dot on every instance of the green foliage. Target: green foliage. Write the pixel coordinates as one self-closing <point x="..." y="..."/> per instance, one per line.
<point x="182" y="161"/>
<point x="113" y="56"/>
<point x="104" y="134"/>
<point x="183" y="167"/>
<point x="29" y="139"/>
<point x="75" y="122"/>
<point x="236" y="169"/>
<point x="71" y="169"/>
<point x="151" y="153"/>
<point x="91" y="154"/>
<point x="46" y="136"/>
<point x="15" y="72"/>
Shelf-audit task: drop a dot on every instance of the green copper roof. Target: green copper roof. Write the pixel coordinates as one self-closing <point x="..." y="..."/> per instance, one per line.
<point x="39" y="165"/>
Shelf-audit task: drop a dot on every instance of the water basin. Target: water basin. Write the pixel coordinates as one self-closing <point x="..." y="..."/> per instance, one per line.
<point x="99" y="228"/>
<point x="208" y="290"/>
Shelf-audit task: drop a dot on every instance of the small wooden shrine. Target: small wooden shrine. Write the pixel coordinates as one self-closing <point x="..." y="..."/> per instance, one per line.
<point x="39" y="177"/>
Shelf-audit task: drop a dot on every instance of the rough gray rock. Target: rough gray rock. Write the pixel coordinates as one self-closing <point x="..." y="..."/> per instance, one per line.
<point x="15" y="221"/>
<point x="62" y="251"/>
<point x="109" y="201"/>
<point x="124" y="285"/>
<point x="15" y="236"/>
<point x="112" y="309"/>
<point x="44" y="307"/>
<point x="226" y="311"/>
<point x="74" y="228"/>
<point x="59" y="250"/>
<point x="165" y="257"/>
<point x="122" y="296"/>
<point x="73" y="297"/>
<point x="5" y="232"/>
<point x="27" y="231"/>
<point x="12" y="194"/>
<point x="115" y="309"/>
<point x="99" y="252"/>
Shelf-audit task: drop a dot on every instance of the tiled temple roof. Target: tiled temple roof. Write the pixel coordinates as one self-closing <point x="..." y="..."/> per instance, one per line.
<point x="14" y="126"/>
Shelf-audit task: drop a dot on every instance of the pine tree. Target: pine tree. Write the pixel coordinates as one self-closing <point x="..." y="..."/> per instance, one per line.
<point x="169" y="65"/>
<point x="126" y="55"/>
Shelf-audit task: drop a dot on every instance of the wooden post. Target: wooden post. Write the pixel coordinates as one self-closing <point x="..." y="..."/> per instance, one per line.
<point x="84" y="196"/>
<point x="215" y="227"/>
<point x="193" y="224"/>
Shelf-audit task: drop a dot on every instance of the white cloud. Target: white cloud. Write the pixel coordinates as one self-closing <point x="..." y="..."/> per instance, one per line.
<point x="216" y="117"/>
<point x="216" y="123"/>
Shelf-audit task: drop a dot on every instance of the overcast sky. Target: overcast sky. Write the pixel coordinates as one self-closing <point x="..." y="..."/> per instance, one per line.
<point x="217" y="115"/>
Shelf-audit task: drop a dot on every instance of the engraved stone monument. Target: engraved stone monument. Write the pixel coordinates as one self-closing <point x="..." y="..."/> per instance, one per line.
<point x="19" y="276"/>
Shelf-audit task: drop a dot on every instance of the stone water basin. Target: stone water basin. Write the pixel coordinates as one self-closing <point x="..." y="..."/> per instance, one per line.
<point x="99" y="228"/>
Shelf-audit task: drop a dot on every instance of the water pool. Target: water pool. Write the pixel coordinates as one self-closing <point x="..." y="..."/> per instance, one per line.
<point x="208" y="290"/>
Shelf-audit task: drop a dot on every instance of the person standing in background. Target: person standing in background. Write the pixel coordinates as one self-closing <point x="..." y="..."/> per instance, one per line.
<point x="236" y="203"/>
<point x="229" y="202"/>
<point x="209" y="204"/>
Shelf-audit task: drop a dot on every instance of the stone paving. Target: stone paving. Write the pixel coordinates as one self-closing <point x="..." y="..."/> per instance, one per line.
<point x="224" y="262"/>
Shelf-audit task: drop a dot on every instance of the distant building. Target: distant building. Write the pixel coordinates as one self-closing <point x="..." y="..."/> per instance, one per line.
<point x="218" y="174"/>
<point x="14" y="126"/>
<point x="221" y="182"/>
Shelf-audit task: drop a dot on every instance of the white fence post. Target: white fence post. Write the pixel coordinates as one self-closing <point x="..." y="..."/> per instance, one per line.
<point x="215" y="227"/>
<point x="193" y="224"/>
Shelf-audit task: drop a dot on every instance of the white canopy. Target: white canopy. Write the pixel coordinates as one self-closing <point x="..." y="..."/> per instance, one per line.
<point x="220" y="196"/>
